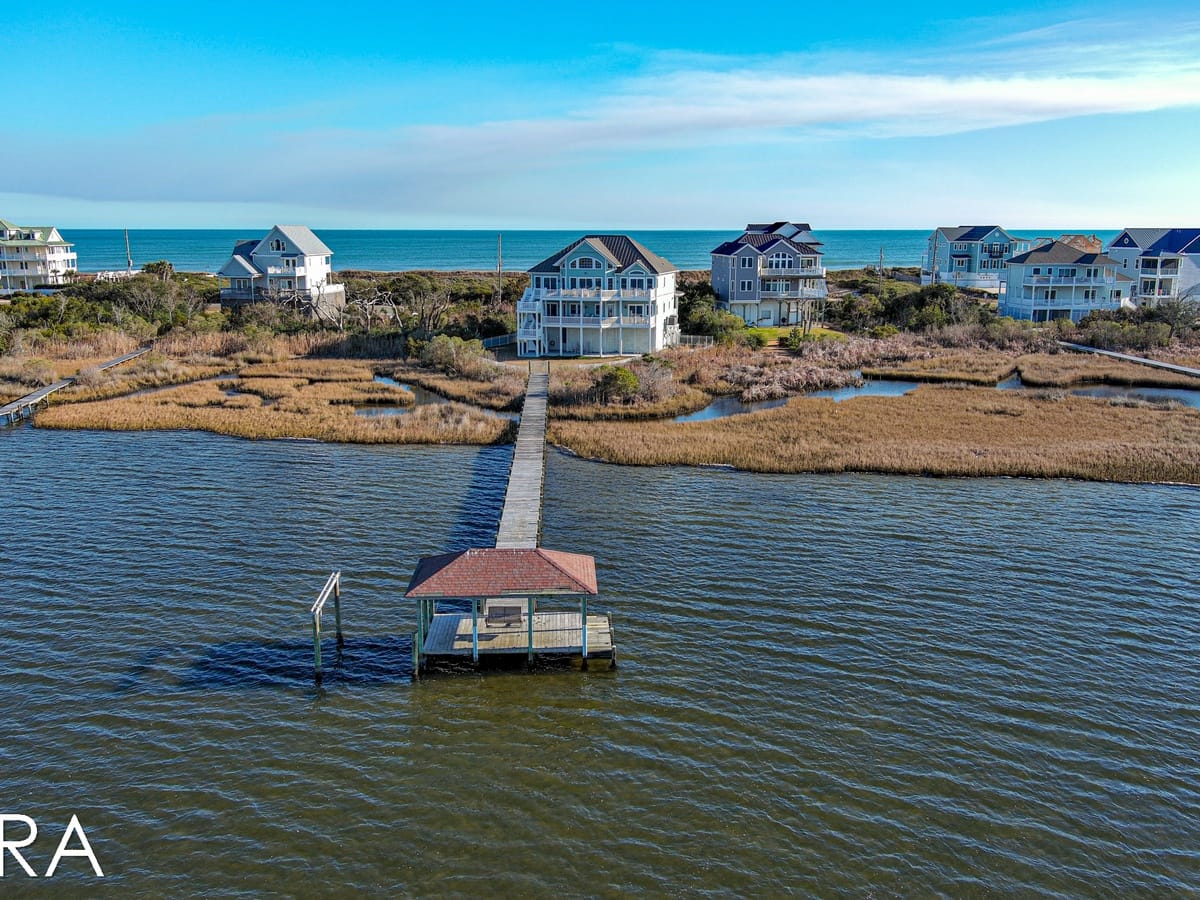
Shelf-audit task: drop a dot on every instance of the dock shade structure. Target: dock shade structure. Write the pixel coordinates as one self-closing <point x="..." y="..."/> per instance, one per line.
<point x="486" y="601"/>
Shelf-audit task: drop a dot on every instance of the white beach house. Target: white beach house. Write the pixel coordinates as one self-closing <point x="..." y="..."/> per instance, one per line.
<point x="32" y="256"/>
<point x="1060" y="281"/>
<point x="771" y="274"/>
<point x="603" y="294"/>
<point x="970" y="256"/>
<point x="290" y="262"/>
<point x="1164" y="263"/>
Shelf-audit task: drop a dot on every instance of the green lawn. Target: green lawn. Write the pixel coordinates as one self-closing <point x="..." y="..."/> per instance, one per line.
<point x="780" y="333"/>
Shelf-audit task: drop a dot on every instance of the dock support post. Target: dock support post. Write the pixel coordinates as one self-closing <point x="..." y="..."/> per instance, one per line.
<point x="317" y="644"/>
<point x="583" y="641"/>
<point x="529" y="612"/>
<point x="337" y="608"/>
<point x="416" y="654"/>
<point x="475" y="629"/>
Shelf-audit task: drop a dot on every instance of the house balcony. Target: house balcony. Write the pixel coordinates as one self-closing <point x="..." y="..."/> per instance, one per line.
<point x="794" y="294"/>
<point x="285" y="272"/>
<point x="799" y="272"/>
<point x="529" y="333"/>
<point x="529" y="306"/>
<point x="587" y="293"/>
<point x="1081" y="280"/>
<point x="593" y="321"/>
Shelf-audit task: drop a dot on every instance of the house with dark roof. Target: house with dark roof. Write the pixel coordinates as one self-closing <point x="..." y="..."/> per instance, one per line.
<point x="602" y="294"/>
<point x="970" y="256"/>
<point x="33" y="256"/>
<point x="771" y="274"/>
<point x="290" y="264"/>
<point x="1164" y="263"/>
<point x="1060" y="281"/>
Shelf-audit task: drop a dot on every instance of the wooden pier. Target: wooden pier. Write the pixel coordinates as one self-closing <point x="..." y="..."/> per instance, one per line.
<point x="23" y="408"/>
<point x="491" y="595"/>
<point x="521" y="518"/>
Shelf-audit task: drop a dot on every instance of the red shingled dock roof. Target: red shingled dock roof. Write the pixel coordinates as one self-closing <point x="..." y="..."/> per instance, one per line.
<point x="503" y="572"/>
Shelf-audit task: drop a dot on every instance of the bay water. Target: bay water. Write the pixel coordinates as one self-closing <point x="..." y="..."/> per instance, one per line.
<point x="827" y="685"/>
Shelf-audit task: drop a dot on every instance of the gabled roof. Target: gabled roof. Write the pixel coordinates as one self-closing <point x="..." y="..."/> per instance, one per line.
<point x="42" y="235"/>
<point x="1176" y="240"/>
<point x="503" y="572"/>
<point x="238" y="267"/>
<point x="620" y="250"/>
<point x="299" y="236"/>
<point x="775" y="226"/>
<point x="971" y="233"/>
<point x="763" y="242"/>
<point x="1138" y="237"/>
<point x="1058" y="253"/>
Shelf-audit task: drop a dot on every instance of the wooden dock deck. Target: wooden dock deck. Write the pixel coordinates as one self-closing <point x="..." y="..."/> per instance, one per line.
<point x="21" y="408"/>
<point x="521" y="518"/>
<point x="555" y="633"/>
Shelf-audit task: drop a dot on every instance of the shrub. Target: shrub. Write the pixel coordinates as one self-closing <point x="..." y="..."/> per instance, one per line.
<point x="615" y="384"/>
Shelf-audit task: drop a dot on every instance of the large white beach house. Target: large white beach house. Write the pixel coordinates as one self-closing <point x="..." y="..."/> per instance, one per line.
<point x="1058" y="280"/>
<point x="602" y="294"/>
<point x="970" y="256"/>
<point x="771" y="274"/>
<point x="1164" y="263"/>
<point x="32" y="256"/>
<point x="290" y="262"/>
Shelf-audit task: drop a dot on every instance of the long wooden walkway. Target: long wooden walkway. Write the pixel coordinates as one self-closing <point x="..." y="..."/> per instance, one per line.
<point x="1140" y="360"/>
<point x="21" y="408"/>
<point x="521" y="518"/>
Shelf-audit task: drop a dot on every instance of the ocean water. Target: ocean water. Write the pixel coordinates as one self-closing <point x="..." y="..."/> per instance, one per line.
<point x="377" y="250"/>
<point x="827" y="686"/>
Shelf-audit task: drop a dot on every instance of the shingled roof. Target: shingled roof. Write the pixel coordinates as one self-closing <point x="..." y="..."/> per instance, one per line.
<point x="763" y="242"/>
<point x="620" y="250"/>
<point x="500" y="572"/>
<point x="972" y="233"/>
<point x="1058" y="253"/>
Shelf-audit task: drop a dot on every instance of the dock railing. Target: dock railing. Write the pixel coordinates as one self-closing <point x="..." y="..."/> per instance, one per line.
<point x="333" y="588"/>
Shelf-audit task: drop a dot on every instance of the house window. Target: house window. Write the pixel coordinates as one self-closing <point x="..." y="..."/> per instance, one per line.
<point x="747" y="262"/>
<point x="747" y="286"/>
<point x="1089" y="294"/>
<point x="277" y="245"/>
<point x="779" y="261"/>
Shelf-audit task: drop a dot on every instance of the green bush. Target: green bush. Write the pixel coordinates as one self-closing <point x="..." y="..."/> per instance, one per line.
<point x="615" y="384"/>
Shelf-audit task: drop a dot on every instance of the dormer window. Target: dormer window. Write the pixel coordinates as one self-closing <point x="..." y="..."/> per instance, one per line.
<point x="277" y="245"/>
<point x="586" y="262"/>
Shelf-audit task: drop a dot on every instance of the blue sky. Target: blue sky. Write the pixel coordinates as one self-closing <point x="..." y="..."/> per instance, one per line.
<point x="618" y="115"/>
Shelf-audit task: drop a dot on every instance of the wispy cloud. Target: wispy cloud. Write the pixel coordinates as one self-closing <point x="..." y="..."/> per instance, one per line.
<point x="681" y="105"/>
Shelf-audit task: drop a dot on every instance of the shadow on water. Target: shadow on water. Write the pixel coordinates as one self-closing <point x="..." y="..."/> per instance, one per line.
<point x="251" y="664"/>
<point x="479" y="515"/>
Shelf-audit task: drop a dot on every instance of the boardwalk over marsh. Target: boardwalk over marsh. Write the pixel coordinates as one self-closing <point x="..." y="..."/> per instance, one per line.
<point x="1140" y="360"/>
<point x="21" y="407"/>
<point x="521" y="518"/>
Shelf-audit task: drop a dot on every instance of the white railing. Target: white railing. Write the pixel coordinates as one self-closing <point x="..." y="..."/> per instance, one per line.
<point x="799" y="271"/>
<point x="590" y="293"/>
<point x="1099" y="280"/>
<point x="795" y="294"/>
<point x="284" y="270"/>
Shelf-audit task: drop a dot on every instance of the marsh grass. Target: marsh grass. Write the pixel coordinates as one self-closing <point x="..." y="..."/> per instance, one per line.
<point x="1067" y="369"/>
<point x="320" y="411"/>
<point x="503" y="388"/>
<point x="934" y="430"/>
<point x="984" y="367"/>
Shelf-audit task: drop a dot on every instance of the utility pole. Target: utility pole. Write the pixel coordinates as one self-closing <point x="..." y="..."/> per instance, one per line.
<point x="499" y="268"/>
<point x="880" y="273"/>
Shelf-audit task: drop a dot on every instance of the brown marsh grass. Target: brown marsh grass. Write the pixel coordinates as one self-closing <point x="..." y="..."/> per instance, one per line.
<point x="686" y="400"/>
<point x="965" y="366"/>
<point x="503" y="390"/>
<point x="935" y="430"/>
<point x="204" y="406"/>
<point x="1066" y="369"/>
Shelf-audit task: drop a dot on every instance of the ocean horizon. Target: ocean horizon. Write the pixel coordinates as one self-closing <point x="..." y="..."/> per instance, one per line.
<point x="393" y="250"/>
